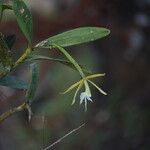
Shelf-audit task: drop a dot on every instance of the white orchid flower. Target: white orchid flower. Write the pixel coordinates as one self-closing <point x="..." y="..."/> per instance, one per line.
<point x="84" y="98"/>
<point x="86" y="95"/>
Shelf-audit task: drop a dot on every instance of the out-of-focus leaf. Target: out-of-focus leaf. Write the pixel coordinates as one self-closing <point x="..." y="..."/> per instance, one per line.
<point x="1" y="68"/>
<point x="6" y="6"/>
<point x="24" y="18"/>
<point x="75" y="36"/>
<point x="3" y="7"/>
<point x="33" y="84"/>
<point x="65" y="62"/>
<point x="5" y="56"/>
<point x="13" y="82"/>
<point x="1" y="11"/>
<point x="10" y="40"/>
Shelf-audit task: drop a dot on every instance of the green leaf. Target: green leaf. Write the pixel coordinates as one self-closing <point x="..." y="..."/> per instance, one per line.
<point x="10" y="40"/>
<point x="3" y="7"/>
<point x="6" y="6"/>
<point x="13" y="82"/>
<point x="67" y="63"/>
<point x="24" y="18"/>
<point x="2" y="69"/>
<point x="74" y="37"/>
<point x="1" y="12"/>
<point x="5" y="54"/>
<point x="33" y="84"/>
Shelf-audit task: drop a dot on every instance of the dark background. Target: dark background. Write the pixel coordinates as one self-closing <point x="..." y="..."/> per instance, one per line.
<point x="119" y="121"/>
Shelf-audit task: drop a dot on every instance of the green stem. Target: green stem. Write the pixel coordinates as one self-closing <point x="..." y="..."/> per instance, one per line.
<point x="23" y="57"/>
<point x="71" y="59"/>
<point x="13" y="111"/>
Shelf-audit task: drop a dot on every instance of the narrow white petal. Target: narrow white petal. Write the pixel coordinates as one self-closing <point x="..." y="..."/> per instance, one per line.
<point x="81" y="101"/>
<point x="74" y="98"/>
<point x="98" y="87"/>
<point x="88" y="98"/>
<point x="82" y="95"/>
<point x="85" y="104"/>
<point x="95" y="76"/>
<point x="71" y="87"/>
<point x="87" y="88"/>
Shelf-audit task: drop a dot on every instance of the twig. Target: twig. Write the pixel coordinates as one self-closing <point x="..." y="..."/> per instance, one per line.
<point x="24" y="105"/>
<point x="13" y="111"/>
<point x="59" y="140"/>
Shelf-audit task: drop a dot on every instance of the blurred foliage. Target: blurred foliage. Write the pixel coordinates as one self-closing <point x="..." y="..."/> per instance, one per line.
<point x="119" y="121"/>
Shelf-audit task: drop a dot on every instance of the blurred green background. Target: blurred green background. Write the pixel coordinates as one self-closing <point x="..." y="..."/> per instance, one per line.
<point x="119" y="121"/>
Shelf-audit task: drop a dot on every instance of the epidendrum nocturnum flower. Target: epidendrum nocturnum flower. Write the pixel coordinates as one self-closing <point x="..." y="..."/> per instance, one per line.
<point x="86" y="95"/>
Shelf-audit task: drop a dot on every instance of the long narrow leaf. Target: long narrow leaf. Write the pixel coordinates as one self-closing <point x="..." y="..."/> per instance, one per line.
<point x="74" y="37"/>
<point x="14" y="82"/>
<point x="33" y="84"/>
<point x="24" y="18"/>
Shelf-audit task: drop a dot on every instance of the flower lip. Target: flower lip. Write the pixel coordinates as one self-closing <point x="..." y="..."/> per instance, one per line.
<point x="84" y="97"/>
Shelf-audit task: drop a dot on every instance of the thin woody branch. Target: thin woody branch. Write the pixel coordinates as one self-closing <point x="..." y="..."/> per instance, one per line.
<point x="24" y="105"/>
<point x="13" y="111"/>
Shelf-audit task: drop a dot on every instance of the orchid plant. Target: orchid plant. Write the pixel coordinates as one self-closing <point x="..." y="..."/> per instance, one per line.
<point x="58" y="42"/>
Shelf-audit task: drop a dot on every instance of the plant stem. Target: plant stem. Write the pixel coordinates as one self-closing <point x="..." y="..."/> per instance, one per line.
<point x="62" y="138"/>
<point x="13" y="111"/>
<point x="19" y="61"/>
<point x="23" y="57"/>
<point x="76" y="65"/>
<point x="24" y="105"/>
